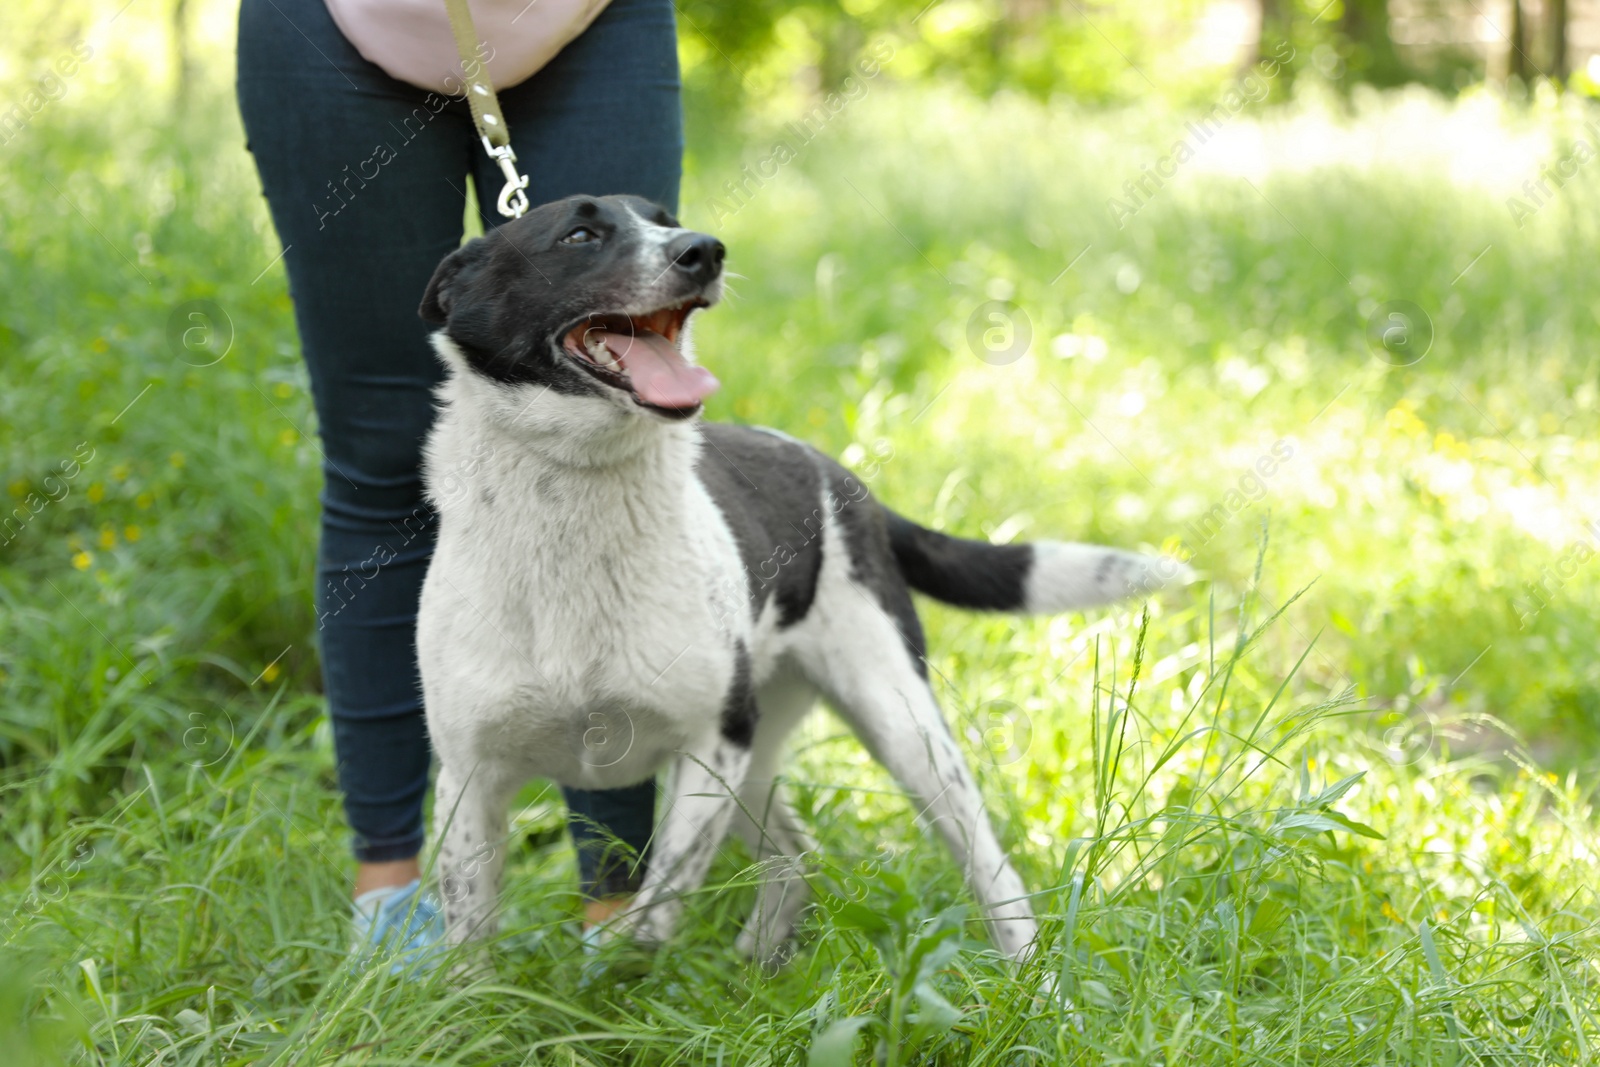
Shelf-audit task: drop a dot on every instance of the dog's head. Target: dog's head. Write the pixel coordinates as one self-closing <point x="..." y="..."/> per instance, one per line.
<point x="587" y="300"/>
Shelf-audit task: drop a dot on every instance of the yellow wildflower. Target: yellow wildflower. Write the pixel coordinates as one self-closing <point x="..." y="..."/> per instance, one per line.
<point x="82" y="560"/>
<point x="288" y="437"/>
<point x="271" y="673"/>
<point x="1401" y="419"/>
<point x="108" y="538"/>
<point x="143" y="501"/>
<point x="1389" y="912"/>
<point x="131" y="533"/>
<point x="1449" y="445"/>
<point x="97" y="493"/>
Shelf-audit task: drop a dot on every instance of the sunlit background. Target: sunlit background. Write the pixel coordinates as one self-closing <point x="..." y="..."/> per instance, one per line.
<point x="1304" y="292"/>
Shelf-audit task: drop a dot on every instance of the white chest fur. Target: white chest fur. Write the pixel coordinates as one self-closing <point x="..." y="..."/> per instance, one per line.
<point x="578" y="623"/>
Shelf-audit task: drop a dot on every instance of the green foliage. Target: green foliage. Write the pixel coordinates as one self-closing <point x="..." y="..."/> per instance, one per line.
<point x="759" y="55"/>
<point x="1274" y="821"/>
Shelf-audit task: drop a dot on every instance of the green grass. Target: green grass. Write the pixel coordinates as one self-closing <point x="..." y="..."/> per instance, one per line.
<point x="1278" y="822"/>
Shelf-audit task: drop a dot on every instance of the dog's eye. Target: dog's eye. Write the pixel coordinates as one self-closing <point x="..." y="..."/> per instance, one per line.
<point x="581" y="235"/>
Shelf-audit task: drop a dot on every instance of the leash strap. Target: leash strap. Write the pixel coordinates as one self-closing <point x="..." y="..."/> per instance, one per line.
<point x="487" y="117"/>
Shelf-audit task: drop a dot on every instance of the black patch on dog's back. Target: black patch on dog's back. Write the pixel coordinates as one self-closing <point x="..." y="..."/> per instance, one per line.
<point x="872" y="563"/>
<point x="776" y="495"/>
<point x="769" y="490"/>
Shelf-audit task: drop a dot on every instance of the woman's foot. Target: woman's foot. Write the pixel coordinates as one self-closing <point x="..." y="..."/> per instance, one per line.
<point x="596" y="914"/>
<point x="401" y="922"/>
<point x="390" y="874"/>
<point x="393" y="913"/>
<point x="600" y="912"/>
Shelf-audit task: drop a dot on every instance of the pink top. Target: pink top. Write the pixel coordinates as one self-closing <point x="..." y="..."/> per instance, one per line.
<point x="411" y="39"/>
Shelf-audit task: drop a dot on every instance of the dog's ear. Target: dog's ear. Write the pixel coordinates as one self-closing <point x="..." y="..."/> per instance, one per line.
<point x="437" y="299"/>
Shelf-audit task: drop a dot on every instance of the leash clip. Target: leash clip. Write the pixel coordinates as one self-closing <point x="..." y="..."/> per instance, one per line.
<point x="513" y="199"/>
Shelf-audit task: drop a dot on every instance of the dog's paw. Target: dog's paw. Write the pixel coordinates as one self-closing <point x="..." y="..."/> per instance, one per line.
<point x="770" y="954"/>
<point x="650" y="920"/>
<point x="472" y="964"/>
<point x="615" y="959"/>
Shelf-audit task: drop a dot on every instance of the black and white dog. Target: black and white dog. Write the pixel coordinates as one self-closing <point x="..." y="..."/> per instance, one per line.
<point x="619" y="587"/>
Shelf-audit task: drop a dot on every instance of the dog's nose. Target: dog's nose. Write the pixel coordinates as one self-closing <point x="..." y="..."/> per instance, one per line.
<point x="697" y="255"/>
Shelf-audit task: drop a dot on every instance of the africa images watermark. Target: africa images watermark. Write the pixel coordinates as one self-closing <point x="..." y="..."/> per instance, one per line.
<point x="849" y="490"/>
<point x="1252" y="88"/>
<point x="45" y="91"/>
<point x="799" y="133"/>
<point x="410" y="128"/>
<point x="1250" y="489"/>
<point x="49" y="889"/>
<point x="32" y="503"/>
<point x="449" y="487"/>
<point x="1538" y="594"/>
<point x="762" y="576"/>
<point x="1556" y="174"/>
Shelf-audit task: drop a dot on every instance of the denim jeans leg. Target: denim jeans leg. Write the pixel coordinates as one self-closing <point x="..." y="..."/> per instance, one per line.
<point x="365" y="178"/>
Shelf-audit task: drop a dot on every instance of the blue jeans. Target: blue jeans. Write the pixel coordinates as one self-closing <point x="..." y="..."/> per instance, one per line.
<point x="366" y="179"/>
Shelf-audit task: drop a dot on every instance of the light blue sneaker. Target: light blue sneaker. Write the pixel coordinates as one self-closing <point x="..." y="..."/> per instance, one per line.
<point x="400" y="923"/>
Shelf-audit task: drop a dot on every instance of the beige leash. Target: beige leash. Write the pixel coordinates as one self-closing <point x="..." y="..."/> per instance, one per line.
<point x="486" y="114"/>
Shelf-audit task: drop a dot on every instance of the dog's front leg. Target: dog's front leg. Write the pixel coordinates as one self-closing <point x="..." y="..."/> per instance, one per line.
<point x="470" y="822"/>
<point x="705" y="786"/>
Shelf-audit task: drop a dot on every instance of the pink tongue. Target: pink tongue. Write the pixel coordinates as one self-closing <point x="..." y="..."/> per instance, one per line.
<point x="659" y="374"/>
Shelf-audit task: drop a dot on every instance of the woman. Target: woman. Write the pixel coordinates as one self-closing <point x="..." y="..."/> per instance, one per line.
<point x="364" y="156"/>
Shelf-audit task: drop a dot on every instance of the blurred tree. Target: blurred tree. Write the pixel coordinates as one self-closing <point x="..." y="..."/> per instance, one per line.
<point x="1369" y="51"/>
<point x="1558" y="15"/>
<point x="1091" y="49"/>
<point x="183" y="65"/>
<point x="1274" y="27"/>
<point x="33" y="34"/>
<point x="1517" y="57"/>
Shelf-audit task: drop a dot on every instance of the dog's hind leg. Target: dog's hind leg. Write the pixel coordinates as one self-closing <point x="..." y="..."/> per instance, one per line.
<point x="862" y="662"/>
<point x="780" y="844"/>
<point x="769" y="826"/>
<point x="470" y="824"/>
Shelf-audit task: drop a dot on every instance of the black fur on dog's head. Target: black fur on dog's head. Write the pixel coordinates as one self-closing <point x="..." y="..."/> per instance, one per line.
<point x="588" y="296"/>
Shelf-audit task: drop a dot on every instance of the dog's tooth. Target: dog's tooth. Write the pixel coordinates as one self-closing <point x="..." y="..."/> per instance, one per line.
<point x="601" y="354"/>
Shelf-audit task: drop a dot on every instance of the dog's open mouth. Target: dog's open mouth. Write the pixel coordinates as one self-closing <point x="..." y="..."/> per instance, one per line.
<point x="640" y="355"/>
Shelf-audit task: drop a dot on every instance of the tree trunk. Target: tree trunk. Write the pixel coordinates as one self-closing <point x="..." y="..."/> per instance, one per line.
<point x="1274" y="28"/>
<point x="1372" y="55"/>
<point x="183" y="66"/>
<point x="1517" y="59"/>
<point x="1558" y="15"/>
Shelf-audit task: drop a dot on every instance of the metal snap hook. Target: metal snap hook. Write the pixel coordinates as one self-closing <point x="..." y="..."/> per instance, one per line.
<point x="513" y="203"/>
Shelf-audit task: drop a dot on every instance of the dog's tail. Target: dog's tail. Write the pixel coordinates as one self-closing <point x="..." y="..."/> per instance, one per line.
<point x="1037" y="578"/>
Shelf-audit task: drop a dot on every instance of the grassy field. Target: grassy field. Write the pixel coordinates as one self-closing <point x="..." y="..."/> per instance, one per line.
<point x="1330" y="806"/>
